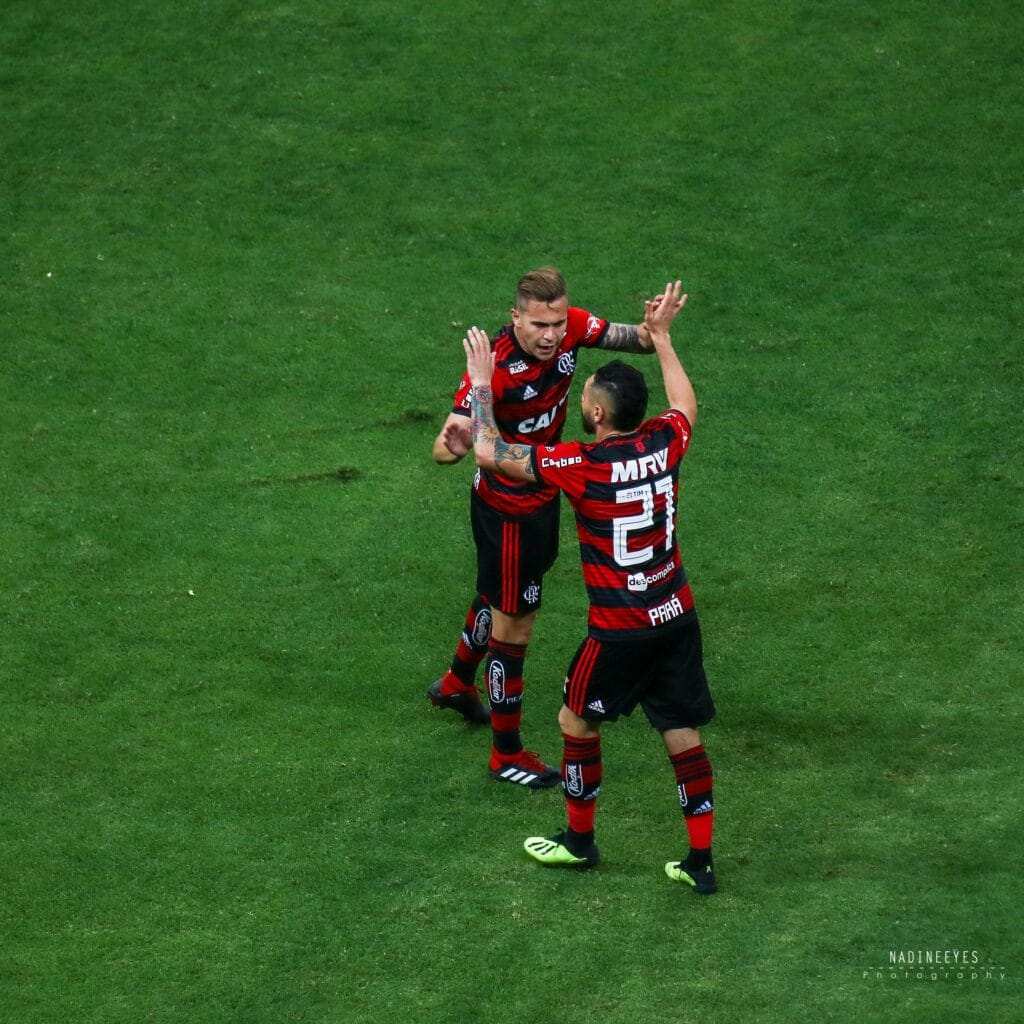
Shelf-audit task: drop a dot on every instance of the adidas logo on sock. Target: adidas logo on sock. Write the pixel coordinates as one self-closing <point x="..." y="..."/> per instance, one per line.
<point x="704" y="808"/>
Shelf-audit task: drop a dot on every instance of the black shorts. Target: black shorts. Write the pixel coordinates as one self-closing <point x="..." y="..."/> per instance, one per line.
<point x="663" y="672"/>
<point x="512" y="555"/>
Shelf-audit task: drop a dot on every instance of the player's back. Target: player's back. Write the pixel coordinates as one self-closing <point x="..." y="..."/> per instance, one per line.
<point x="624" y="490"/>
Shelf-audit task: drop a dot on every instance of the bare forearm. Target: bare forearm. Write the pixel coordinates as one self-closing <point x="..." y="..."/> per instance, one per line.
<point x="485" y="430"/>
<point x="678" y="389"/>
<point x="626" y="338"/>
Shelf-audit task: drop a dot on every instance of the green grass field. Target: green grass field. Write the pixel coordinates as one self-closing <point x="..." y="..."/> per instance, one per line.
<point x="241" y="243"/>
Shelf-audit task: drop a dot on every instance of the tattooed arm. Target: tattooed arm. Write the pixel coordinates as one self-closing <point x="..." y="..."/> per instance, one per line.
<point x="635" y="337"/>
<point x="491" y="449"/>
<point x="627" y="338"/>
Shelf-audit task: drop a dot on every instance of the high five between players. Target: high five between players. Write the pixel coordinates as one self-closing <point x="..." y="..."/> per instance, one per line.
<point x="643" y="643"/>
<point x="515" y="520"/>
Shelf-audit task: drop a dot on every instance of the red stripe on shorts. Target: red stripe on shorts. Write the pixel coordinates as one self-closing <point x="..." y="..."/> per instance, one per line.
<point x="509" y="566"/>
<point x="577" y="691"/>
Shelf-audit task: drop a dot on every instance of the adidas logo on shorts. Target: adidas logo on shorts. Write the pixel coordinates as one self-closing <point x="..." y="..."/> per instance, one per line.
<point x="596" y="705"/>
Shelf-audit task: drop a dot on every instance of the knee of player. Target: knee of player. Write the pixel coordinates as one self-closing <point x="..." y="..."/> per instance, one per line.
<point x="679" y="740"/>
<point x="512" y="629"/>
<point x="572" y="725"/>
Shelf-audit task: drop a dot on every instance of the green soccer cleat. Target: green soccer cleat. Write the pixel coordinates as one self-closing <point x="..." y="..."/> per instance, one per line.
<point x="702" y="879"/>
<point x="554" y="853"/>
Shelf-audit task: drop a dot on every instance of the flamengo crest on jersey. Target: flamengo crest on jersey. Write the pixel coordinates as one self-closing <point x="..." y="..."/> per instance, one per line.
<point x="624" y="492"/>
<point x="530" y="405"/>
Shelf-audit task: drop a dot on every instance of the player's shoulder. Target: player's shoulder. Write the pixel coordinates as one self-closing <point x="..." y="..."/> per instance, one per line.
<point x="582" y="326"/>
<point x="561" y="448"/>
<point x="507" y="353"/>
<point x="560" y="455"/>
<point x="671" y="419"/>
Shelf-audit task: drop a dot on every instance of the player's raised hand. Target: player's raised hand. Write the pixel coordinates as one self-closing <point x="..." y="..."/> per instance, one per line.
<point x="660" y="311"/>
<point x="479" y="357"/>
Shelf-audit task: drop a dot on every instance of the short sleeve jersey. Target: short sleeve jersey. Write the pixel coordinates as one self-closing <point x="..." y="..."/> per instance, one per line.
<point x="624" y="491"/>
<point x="529" y="405"/>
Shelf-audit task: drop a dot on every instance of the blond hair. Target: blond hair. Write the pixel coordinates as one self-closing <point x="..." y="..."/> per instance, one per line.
<point x="545" y="284"/>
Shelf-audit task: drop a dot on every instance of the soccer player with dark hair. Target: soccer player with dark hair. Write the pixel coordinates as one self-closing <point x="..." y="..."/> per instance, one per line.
<point x="515" y="521"/>
<point x="643" y="644"/>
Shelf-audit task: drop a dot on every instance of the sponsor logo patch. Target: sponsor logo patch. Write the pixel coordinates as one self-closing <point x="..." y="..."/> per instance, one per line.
<point x="573" y="460"/>
<point x="682" y="795"/>
<point x="638" y="582"/>
<point x="482" y="627"/>
<point x="529" y="425"/>
<point x="593" y="326"/>
<point x="517" y="367"/>
<point x="574" y="779"/>
<point x="496" y="682"/>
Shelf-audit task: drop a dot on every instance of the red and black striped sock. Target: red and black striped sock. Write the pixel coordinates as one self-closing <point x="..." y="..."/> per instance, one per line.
<point x="694" y="779"/>
<point x="472" y="648"/>
<point x="581" y="778"/>
<point x="504" y="675"/>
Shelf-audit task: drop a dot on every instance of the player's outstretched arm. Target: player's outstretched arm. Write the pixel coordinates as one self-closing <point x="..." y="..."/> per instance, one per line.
<point x="626" y="338"/>
<point x="631" y="337"/>
<point x="658" y="316"/>
<point x="491" y="449"/>
<point x="454" y="440"/>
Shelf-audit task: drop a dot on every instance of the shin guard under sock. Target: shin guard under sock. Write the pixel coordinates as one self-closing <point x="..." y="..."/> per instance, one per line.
<point x="694" y="779"/>
<point x="471" y="649"/>
<point x="504" y="675"/>
<point x="581" y="778"/>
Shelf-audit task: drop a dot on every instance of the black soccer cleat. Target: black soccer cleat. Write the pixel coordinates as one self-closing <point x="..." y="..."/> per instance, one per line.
<point x="557" y="852"/>
<point x="467" y="704"/>
<point x="701" y="878"/>
<point x="524" y="769"/>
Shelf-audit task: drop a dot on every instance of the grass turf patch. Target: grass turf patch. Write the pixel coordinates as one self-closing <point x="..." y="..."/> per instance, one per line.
<point x="243" y="245"/>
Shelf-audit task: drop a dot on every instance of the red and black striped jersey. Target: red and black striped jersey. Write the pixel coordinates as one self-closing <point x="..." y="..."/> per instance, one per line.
<point x="529" y="405"/>
<point x="624" y="491"/>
